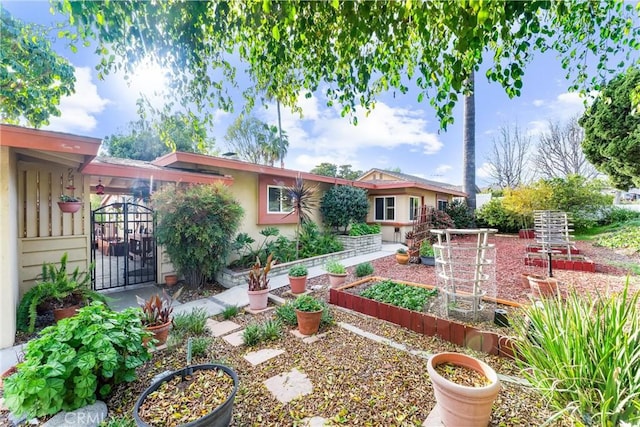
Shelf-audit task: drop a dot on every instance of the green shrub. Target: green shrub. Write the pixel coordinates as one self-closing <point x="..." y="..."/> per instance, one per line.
<point x="615" y="215"/>
<point x="251" y="335"/>
<point x="247" y="255"/>
<point x="626" y="237"/>
<point x="299" y="270"/>
<point x="363" y="229"/>
<point x="77" y="360"/>
<point x="343" y="205"/>
<point x="460" y="213"/>
<point x="314" y="242"/>
<point x="583" y="354"/>
<point x="409" y="297"/>
<point x="495" y="215"/>
<point x="196" y="224"/>
<point x="426" y="249"/>
<point x="193" y="323"/>
<point x="335" y="267"/>
<point x="230" y="312"/>
<point x="436" y="219"/>
<point x="307" y="303"/>
<point x="287" y="314"/>
<point x="364" y="269"/>
<point x="270" y="330"/>
<point x="118" y="422"/>
<point x="282" y="249"/>
<point x="199" y="346"/>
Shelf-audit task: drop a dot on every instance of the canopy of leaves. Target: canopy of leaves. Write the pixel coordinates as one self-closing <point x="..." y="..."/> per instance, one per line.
<point x="342" y="171"/>
<point x="255" y="141"/>
<point x="353" y="50"/>
<point x="33" y="78"/>
<point x="196" y="224"/>
<point x="343" y="205"/>
<point x="612" y="131"/>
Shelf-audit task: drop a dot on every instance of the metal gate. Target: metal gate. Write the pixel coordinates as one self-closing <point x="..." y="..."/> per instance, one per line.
<point x="124" y="247"/>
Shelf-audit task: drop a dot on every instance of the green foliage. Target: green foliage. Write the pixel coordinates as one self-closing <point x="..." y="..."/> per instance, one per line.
<point x="313" y="242"/>
<point x="582" y="353"/>
<point x="627" y="237"/>
<point x="495" y="215"/>
<point x="255" y="141"/>
<point x="193" y="323"/>
<point x="612" y="130"/>
<point x="118" y="422"/>
<point x="363" y="229"/>
<point x="364" y="269"/>
<point x="401" y="251"/>
<point x="335" y="267"/>
<point x="460" y="213"/>
<point x="343" y="205"/>
<point x="33" y="78"/>
<point x="298" y="270"/>
<point x="409" y="297"/>
<point x="342" y="171"/>
<point x="247" y="255"/>
<point x="55" y="285"/>
<point x="287" y="314"/>
<point x="426" y="249"/>
<point x="307" y="303"/>
<point x="436" y="219"/>
<point x="255" y="333"/>
<point x="282" y="249"/>
<point x="580" y="197"/>
<point x="196" y="225"/>
<point x="156" y="310"/>
<point x="303" y="202"/>
<point x="251" y="334"/>
<point x="615" y="215"/>
<point x="230" y="312"/>
<point x="77" y="360"/>
<point x="199" y="346"/>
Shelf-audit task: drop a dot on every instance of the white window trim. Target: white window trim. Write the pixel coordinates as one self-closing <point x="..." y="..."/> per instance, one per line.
<point x="269" y="211"/>
<point x="417" y="206"/>
<point x="385" y="208"/>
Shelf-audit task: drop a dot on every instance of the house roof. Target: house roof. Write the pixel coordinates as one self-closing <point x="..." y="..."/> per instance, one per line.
<point x="404" y="180"/>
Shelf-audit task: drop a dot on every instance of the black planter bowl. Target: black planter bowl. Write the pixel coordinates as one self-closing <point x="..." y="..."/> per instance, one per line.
<point x="428" y="260"/>
<point x="219" y="417"/>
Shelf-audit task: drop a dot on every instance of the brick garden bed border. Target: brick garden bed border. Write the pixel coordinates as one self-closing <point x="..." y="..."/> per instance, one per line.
<point x="424" y="323"/>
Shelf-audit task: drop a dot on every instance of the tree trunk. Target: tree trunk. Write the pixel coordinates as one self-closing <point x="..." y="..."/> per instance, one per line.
<point x="469" y="146"/>
<point x="281" y="153"/>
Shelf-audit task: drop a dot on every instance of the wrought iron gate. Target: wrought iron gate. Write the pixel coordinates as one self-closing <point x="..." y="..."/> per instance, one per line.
<point x="124" y="247"/>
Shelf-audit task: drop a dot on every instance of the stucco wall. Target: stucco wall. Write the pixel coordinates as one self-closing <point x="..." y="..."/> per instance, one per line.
<point x="8" y="247"/>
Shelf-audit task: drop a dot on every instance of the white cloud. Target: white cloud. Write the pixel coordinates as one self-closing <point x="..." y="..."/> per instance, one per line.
<point x="538" y="102"/>
<point x="537" y="127"/>
<point x="442" y="169"/>
<point x="78" y="110"/>
<point x="484" y="171"/>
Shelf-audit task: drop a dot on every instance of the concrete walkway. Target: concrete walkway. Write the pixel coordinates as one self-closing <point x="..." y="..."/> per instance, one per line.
<point x="213" y="305"/>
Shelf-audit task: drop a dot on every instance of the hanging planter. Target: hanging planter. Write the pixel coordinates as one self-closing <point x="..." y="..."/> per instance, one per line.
<point x="69" y="204"/>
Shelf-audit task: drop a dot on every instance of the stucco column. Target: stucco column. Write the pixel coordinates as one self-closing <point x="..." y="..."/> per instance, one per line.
<point x="8" y="246"/>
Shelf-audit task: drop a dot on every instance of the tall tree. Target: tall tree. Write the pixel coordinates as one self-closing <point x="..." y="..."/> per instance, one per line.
<point x="345" y="171"/>
<point x="559" y="152"/>
<point x="255" y="141"/>
<point x="469" y="144"/>
<point x="508" y="158"/>
<point x="33" y="78"/>
<point x="341" y="171"/>
<point x="612" y="131"/>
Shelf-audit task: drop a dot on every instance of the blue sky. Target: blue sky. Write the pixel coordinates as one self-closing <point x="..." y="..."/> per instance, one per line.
<point x="399" y="132"/>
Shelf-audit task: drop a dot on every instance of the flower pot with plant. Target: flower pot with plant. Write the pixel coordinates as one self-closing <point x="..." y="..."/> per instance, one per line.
<point x="464" y="387"/>
<point x="409" y="238"/>
<point x="259" y="284"/>
<point x="56" y="291"/>
<point x="298" y="278"/>
<point x="69" y="204"/>
<point x="402" y="256"/>
<point x="156" y="314"/>
<point x="426" y="253"/>
<point x="337" y="273"/>
<point x="309" y="314"/>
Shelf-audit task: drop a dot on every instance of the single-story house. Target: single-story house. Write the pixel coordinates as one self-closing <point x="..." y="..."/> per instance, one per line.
<point x="37" y="166"/>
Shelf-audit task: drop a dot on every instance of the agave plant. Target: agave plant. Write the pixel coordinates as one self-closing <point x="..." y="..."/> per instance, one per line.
<point x="303" y="201"/>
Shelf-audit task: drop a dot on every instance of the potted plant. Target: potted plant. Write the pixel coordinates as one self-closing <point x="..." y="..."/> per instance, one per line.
<point x="298" y="278"/>
<point x="409" y="237"/>
<point x="56" y="291"/>
<point x="464" y="387"/>
<point x="542" y="286"/>
<point x="309" y="314"/>
<point x="426" y="253"/>
<point x="156" y="314"/>
<point x="337" y="273"/>
<point x="402" y="256"/>
<point x="259" y="284"/>
<point x="69" y="204"/>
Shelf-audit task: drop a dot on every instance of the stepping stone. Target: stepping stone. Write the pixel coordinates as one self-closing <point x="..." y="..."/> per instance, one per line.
<point x="87" y="416"/>
<point x="314" y="422"/>
<point x="260" y="356"/>
<point x="219" y="329"/>
<point x="291" y="294"/>
<point x="254" y="312"/>
<point x="288" y="386"/>
<point x="277" y="300"/>
<point x="233" y="296"/>
<point x="209" y="306"/>
<point x="307" y="339"/>
<point x="235" y="339"/>
<point x="434" y="419"/>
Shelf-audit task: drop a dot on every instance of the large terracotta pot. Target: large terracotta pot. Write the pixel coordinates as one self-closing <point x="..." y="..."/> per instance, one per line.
<point x="308" y="321"/>
<point x="160" y="332"/>
<point x="298" y="284"/>
<point x="63" y="313"/>
<point x="543" y="286"/>
<point x="402" y="258"/>
<point x="171" y="279"/>
<point x="336" y="280"/>
<point x="463" y="405"/>
<point x="258" y="300"/>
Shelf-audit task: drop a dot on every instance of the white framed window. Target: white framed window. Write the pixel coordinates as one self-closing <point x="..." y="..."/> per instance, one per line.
<point x="385" y="208"/>
<point x="442" y="204"/>
<point x="278" y="200"/>
<point x="414" y="206"/>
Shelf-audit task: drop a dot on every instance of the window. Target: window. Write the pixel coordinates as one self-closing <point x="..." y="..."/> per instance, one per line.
<point x="385" y="208"/>
<point x="442" y="205"/>
<point x="279" y="201"/>
<point x="414" y="205"/>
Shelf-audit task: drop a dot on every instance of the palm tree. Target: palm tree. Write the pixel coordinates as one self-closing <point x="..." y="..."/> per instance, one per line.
<point x="469" y="144"/>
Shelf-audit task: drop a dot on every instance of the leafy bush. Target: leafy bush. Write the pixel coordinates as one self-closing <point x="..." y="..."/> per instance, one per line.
<point x="193" y="323"/>
<point x="363" y="229"/>
<point x="247" y="255"/>
<point x="286" y="313"/>
<point x="626" y="237"/>
<point x="335" y="267"/>
<point x="494" y="214"/>
<point x="230" y="312"/>
<point x="314" y="242"/>
<point x="364" y="269"/>
<point x="196" y="225"/>
<point x="199" y="346"/>
<point x="409" y="297"/>
<point x="583" y="354"/>
<point x="426" y="249"/>
<point x="76" y="360"/>
<point x="343" y="205"/>
<point x="268" y="330"/>
<point x="251" y="334"/>
<point x="282" y="249"/>
<point x="582" y="198"/>
<point x="299" y="270"/>
<point x="615" y="215"/>
<point x="307" y="303"/>
<point x="436" y="219"/>
<point x="460" y="213"/>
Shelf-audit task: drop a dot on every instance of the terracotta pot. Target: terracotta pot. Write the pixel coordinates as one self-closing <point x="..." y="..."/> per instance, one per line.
<point x="462" y="405"/>
<point x="69" y="207"/>
<point x="12" y="370"/>
<point x="63" y="313"/>
<point x="298" y="284"/>
<point x="258" y="300"/>
<point x="160" y="332"/>
<point x="308" y="321"/>
<point x="525" y="278"/>
<point x="402" y="258"/>
<point x="336" y="280"/>
<point x="171" y="279"/>
<point x="543" y="286"/>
